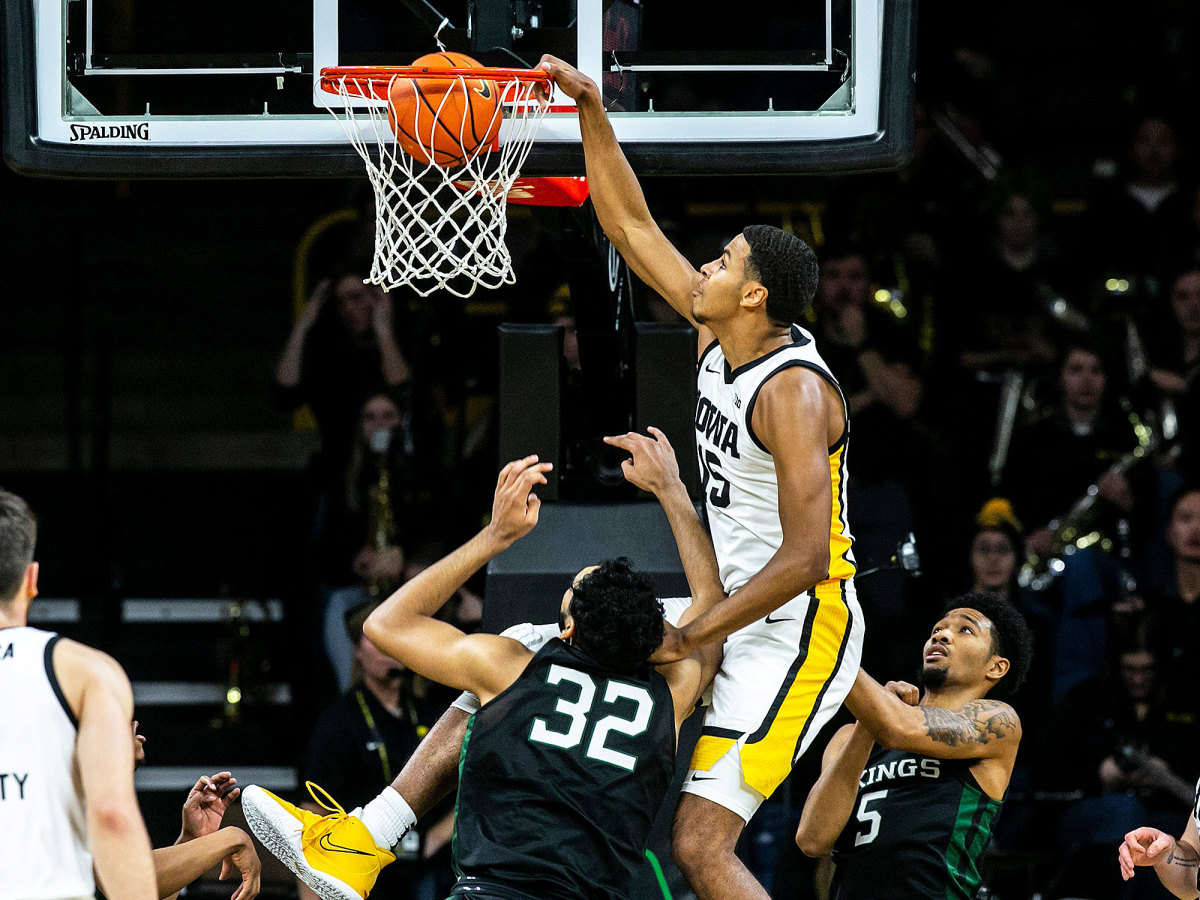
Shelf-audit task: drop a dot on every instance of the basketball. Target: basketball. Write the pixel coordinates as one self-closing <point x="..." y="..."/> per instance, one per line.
<point x="444" y="120"/>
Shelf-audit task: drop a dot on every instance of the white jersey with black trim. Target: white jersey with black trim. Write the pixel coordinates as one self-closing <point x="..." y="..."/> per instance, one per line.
<point x="741" y="489"/>
<point x="1196" y="808"/>
<point x="44" y="850"/>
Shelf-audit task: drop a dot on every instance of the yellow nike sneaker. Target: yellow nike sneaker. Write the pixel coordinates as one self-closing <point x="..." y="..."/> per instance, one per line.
<point x="334" y="855"/>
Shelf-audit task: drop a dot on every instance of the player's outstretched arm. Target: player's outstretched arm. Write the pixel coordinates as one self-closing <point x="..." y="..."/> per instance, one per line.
<point x="653" y="467"/>
<point x="831" y="801"/>
<point x="618" y="199"/>
<point x="97" y="687"/>
<point x="1175" y="862"/>
<point x="981" y="729"/>
<point x="404" y="626"/>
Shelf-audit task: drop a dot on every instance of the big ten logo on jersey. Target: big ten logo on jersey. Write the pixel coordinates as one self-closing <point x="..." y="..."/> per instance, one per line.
<point x="923" y="767"/>
<point x="581" y="721"/>
<point x="713" y="426"/>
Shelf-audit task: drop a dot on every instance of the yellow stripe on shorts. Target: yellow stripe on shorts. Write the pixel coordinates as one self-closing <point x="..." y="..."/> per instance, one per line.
<point x="709" y="749"/>
<point x="767" y="754"/>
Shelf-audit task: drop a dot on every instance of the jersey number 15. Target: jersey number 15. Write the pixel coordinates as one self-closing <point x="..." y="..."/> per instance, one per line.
<point x="710" y="472"/>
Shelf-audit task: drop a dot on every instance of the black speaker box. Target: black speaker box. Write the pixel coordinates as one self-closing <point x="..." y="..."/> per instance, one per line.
<point x="666" y="391"/>
<point x="527" y="581"/>
<point x="531" y="397"/>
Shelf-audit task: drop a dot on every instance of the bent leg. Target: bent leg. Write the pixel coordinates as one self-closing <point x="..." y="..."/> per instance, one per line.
<point x="703" y="840"/>
<point x="431" y="773"/>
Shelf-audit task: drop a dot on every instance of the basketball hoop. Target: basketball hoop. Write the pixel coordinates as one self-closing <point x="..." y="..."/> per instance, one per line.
<point x="438" y="227"/>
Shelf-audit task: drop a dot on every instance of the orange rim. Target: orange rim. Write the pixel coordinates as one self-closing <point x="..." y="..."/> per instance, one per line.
<point x="372" y="81"/>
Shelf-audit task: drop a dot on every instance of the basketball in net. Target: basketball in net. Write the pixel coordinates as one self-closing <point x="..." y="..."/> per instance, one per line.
<point x="430" y="137"/>
<point x="444" y="121"/>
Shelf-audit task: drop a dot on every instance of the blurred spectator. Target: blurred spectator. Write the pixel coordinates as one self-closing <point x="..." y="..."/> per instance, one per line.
<point x="1055" y="459"/>
<point x="875" y="361"/>
<point x="1122" y="741"/>
<point x="1174" y="345"/>
<point x="1052" y="466"/>
<point x="1137" y="220"/>
<point x="995" y="546"/>
<point x="368" y="735"/>
<point x="996" y="555"/>
<point x="1004" y="318"/>
<point x="341" y="348"/>
<point x="361" y="523"/>
<point x="1175" y="604"/>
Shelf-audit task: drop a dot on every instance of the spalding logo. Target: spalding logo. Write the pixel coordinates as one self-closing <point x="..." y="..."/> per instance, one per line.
<point x="137" y="131"/>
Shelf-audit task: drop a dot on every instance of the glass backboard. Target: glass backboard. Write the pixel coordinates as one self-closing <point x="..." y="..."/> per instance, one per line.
<point x="142" y="88"/>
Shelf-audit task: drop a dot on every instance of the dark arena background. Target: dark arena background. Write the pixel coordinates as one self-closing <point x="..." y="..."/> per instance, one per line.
<point x="209" y="450"/>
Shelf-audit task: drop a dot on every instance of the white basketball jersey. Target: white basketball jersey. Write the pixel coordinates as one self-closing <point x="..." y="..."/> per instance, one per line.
<point x="741" y="490"/>
<point x="1196" y="807"/>
<point x="44" y="850"/>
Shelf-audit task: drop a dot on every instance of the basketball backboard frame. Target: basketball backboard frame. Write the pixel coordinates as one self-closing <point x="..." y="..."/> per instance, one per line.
<point x="48" y="129"/>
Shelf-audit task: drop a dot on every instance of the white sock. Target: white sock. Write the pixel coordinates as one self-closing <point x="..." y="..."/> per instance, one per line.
<point x="387" y="817"/>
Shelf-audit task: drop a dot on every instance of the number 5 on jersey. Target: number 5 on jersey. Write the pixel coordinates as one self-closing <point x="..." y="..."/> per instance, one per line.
<point x="710" y="471"/>
<point x="869" y="817"/>
<point x="578" y="711"/>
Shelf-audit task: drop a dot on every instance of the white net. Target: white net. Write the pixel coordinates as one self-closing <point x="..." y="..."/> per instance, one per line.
<point x="439" y="228"/>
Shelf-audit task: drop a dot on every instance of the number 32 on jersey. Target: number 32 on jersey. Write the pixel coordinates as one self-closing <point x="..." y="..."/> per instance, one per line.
<point x="581" y="721"/>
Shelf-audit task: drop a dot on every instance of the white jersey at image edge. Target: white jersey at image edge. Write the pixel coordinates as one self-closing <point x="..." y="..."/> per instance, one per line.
<point x="44" y="851"/>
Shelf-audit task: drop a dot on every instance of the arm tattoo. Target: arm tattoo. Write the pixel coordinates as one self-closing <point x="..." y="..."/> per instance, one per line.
<point x="1178" y="857"/>
<point x="978" y="722"/>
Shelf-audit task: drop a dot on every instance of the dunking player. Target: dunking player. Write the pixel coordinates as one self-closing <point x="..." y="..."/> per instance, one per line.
<point x="66" y="771"/>
<point x="568" y="759"/>
<point x="924" y="780"/>
<point x="771" y="429"/>
<point x="1175" y="861"/>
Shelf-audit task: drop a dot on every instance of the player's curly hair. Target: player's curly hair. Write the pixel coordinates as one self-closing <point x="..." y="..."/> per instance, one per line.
<point x="786" y="267"/>
<point x="618" y="619"/>
<point x="1011" y="637"/>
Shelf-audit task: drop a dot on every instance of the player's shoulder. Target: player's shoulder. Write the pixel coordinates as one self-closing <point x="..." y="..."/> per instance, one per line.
<point x="74" y="660"/>
<point x="534" y="637"/>
<point x="794" y="392"/>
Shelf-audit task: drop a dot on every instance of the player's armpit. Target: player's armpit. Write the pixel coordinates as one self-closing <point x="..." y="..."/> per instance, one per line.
<point x="690" y="677"/>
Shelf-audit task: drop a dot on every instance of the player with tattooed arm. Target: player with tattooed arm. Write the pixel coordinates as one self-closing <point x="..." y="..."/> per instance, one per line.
<point x="1175" y="861"/>
<point x="909" y="794"/>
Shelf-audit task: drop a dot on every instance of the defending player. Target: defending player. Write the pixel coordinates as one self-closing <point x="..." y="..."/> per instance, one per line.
<point x="909" y="794"/>
<point x="1175" y="861"/>
<point x="771" y="430"/>
<point x="65" y="709"/>
<point x="567" y="761"/>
